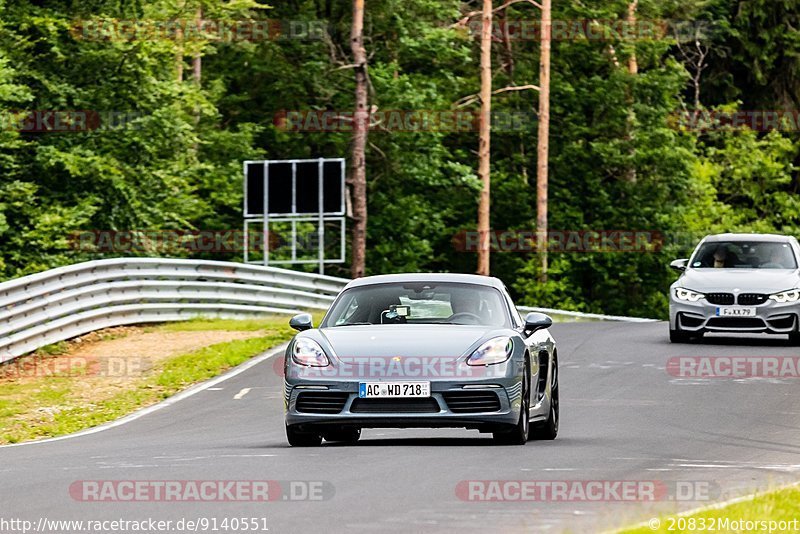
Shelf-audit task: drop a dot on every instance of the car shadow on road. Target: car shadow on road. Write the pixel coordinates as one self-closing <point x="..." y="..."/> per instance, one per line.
<point x="414" y="442"/>
<point x="420" y="442"/>
<point x="744" y="341"/>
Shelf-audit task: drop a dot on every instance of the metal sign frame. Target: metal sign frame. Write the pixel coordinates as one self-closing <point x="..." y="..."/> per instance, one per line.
<point x="321" y="217"/>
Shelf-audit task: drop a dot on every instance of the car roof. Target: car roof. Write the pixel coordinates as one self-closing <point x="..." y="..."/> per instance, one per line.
<point x="749" y="237"/>
<point x="427" y="277"/>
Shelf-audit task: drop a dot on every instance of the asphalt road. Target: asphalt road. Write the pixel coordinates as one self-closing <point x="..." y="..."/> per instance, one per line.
<point x="624" y="417"/>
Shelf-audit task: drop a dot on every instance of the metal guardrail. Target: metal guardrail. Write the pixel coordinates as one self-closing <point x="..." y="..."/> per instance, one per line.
<point x="581" y="315"/>
<point x="66" y="302"/>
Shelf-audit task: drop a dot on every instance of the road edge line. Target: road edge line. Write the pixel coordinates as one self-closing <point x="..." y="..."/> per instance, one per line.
<point x="181" y="395"/>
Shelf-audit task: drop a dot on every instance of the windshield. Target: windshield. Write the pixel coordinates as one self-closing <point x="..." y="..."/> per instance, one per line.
<point x="419" y="303"/>
<point x="745" y="255"/>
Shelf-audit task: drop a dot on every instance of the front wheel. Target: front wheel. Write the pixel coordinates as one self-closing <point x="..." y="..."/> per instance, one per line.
<point x="302" y="439"/>
<point x="679" y="336"/>
<point x="794" y="339"/>
<point x="519" y="434"/>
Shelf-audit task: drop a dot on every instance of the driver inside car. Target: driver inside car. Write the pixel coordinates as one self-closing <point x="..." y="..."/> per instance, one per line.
<point x="466" y="302"/>
<point x="777" y="258"/>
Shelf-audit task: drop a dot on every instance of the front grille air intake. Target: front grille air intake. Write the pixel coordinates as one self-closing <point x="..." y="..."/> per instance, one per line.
<point x="472" y="401"/>
<point x="736" y="322"/>
<point x="413" y="405"/>
<point x="321" y="402"/>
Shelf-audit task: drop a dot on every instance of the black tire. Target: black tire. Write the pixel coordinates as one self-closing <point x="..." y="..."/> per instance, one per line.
<point x="348" y="436"/>
<point x="518" y="435"/>
<point x="679" y="336"/>
<point x="302" y="439"/>
<point x="794" y="339"/>
<point x="548" y="430"/>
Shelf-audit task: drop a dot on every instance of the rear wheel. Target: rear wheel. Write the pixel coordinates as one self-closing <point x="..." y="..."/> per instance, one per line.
<point x="519" y="434"/>
<point x="348" y="436"/>
<point x="549" y="429"/>
<point x="302" y="439"/>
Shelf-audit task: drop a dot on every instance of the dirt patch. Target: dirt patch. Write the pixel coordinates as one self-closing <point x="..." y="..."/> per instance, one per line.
<point x="98" y="365"/>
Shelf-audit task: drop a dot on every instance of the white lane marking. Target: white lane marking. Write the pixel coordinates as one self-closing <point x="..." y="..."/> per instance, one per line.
<point x="185" y="394"/>
<point x="215" y="389"/>
<point x="241" y="394"/>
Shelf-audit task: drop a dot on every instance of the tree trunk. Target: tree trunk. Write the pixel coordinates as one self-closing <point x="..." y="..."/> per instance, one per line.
<point x="633" y="69"/>
<point x="358" y="175"/>
<point x="544" y="137"/>
<point x="633" y="66"/>
<point x="197" y="60"/>
<point x="179" y="55"/>
<point x="484" y="154"/>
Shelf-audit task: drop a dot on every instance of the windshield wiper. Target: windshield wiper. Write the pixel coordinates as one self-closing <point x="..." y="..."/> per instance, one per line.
<point x="353" y="324"/>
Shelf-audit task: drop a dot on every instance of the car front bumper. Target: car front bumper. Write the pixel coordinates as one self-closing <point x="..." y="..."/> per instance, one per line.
<point x="453" y="403"/>
<point x="702" y="316"/>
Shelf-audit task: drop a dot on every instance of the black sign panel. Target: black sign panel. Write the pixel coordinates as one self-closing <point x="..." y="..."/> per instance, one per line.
<point x="293" y="187"/>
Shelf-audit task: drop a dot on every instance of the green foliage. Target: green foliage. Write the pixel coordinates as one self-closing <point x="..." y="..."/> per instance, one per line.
<point x="616" y="163"/>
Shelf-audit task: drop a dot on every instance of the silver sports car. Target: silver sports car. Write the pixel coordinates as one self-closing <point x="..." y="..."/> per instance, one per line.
<point x="422" y="350"/>
<point x="737" y="283"/>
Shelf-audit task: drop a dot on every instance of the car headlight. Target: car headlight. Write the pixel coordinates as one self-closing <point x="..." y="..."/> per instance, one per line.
<point x="687" y="294"/>
<point x="308" y="352"/>
<point x="494" y="351"/>
<point x="793" y="295"/>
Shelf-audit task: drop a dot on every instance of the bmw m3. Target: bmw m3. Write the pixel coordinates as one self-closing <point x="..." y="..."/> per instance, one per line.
<point x="737" y="283"/>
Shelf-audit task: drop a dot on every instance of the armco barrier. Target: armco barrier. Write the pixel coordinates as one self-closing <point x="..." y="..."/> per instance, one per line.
<point x="66" y="302"/>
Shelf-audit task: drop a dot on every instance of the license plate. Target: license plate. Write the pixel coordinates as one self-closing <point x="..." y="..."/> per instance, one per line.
<point x="378" y="390"/>
<point x="736" y="312"/>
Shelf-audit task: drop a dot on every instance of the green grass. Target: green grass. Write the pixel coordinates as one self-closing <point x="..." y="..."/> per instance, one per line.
<point x="54" y="349"/>
<point x="48" y="406"/>
<point x="779" y="505"/>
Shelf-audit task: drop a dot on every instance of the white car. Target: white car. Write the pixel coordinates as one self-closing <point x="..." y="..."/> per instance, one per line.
<point x="737" y="283"/>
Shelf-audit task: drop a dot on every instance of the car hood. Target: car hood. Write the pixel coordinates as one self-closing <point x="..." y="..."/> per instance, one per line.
<point x="745" y="280"/>
<point x="406" y="340"/>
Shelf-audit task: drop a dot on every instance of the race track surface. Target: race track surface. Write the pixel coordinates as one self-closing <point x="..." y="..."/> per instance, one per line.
<point x="624" y="418"/>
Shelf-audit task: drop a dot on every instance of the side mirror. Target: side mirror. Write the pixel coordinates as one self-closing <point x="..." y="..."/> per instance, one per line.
<point x="680" y="265"/>
<point x="535" y="321"/>
<point x="301" y="322"/>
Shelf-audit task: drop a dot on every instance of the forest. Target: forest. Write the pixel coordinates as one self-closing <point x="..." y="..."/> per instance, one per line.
<point x="137" y="115"/>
